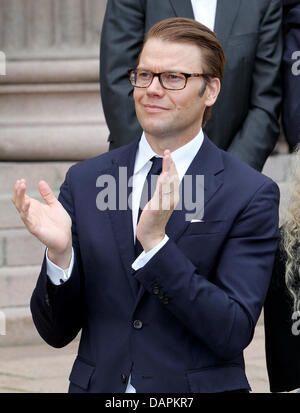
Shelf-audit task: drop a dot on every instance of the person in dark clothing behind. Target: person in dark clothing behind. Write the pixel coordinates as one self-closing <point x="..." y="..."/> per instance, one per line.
<point x="282" y="305"/>
<point x="291" y="72"/>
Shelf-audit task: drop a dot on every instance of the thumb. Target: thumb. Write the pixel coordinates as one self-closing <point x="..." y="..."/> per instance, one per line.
<point x="46" y="192"/>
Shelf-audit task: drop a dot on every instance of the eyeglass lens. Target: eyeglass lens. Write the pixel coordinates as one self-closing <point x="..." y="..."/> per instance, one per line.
<point x="169" y="80"/>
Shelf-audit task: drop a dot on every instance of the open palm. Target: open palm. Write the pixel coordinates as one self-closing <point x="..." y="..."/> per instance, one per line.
<point x="49" y="222"/>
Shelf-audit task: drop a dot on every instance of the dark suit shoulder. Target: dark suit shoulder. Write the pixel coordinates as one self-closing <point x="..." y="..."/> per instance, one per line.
<point x="245" y="174"/>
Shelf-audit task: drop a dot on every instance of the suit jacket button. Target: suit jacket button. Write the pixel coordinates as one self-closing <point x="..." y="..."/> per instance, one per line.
<point x="156" y="290"/>
<point x="47" y="300"/>
<point x="137" y="324"/>
<point x="165" y="300"/>
<point x="123" y="378"/>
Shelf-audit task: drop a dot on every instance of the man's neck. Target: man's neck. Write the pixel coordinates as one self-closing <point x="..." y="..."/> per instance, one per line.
<point x="160" y="143"/>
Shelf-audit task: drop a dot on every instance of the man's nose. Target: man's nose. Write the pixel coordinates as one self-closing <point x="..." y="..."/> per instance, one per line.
<point x="155" y="87"/>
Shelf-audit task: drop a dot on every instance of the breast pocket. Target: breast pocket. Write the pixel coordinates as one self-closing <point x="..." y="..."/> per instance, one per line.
<point x="201" y="244"/>
<point x="205" y="227"/>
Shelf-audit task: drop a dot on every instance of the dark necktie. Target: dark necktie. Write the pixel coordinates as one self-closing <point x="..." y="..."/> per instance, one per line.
<point x="147" y="193"/>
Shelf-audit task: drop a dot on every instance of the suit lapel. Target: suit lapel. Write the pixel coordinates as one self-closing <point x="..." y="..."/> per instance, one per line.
<point x="226" y="13"/>
<point x="182" y="8"/>
<point x="225" y="16"/>
<point x="208" y="162"/>
<point x="121" y="220"/>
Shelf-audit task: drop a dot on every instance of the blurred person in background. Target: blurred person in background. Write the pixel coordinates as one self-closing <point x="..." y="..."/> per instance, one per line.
<point x="244" y="119"/>
<point x="282" y="305"/>
<point x="291" y="72"/>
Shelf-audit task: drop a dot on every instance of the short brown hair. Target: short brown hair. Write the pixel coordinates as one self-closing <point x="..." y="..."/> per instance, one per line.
<point x="183" y="30"/>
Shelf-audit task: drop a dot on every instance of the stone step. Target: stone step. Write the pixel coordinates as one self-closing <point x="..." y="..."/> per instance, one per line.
<point x="53" y="172"/>
<point x="19" y="327"/>
<point x="17" y="285"/>
<point x="20" y="248"/>
<point x="277" y="167"/>
<point x="47" y="142"/>
<point x="33" y="172"/>
<point x="52" y="121"/>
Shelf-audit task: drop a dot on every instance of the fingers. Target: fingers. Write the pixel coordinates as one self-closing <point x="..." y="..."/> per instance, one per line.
<point x="169" y="171"/>
<point x="168" y="164"/>
<point x="46" y="192"/>
<point x="22" y="201"/>
<point x="19" y="199"/>
<point x="167" y="160"/>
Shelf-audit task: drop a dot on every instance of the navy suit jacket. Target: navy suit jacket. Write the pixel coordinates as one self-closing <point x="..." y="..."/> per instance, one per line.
<point x="180" y="323"/>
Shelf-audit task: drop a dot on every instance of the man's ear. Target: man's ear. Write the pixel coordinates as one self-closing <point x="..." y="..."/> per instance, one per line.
<point x="212" y="90"/>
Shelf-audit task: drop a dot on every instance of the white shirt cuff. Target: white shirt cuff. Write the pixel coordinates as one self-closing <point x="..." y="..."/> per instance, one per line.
<point x="56" y="274"/>
<point x="144" y="257"/>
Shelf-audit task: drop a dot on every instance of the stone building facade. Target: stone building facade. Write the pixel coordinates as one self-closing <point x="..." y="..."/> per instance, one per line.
<point x="50" y="117"/>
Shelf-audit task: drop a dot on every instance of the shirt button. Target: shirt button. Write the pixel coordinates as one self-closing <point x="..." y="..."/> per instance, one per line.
<point x="123" y="378"/>
<point x="137" y="324"/>
<point x="47" y="300"/>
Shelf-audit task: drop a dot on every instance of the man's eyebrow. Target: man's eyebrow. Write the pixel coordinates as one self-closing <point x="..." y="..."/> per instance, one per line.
<point x="162" y="71"/>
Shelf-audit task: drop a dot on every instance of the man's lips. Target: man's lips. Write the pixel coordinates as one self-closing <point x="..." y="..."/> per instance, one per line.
<point x="154" y="108"/>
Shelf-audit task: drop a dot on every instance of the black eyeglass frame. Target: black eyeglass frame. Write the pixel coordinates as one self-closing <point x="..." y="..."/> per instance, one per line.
<point x="186" y="75"/>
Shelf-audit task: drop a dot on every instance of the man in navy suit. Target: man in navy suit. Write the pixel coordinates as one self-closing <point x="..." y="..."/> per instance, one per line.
<point x="177" y="316"/>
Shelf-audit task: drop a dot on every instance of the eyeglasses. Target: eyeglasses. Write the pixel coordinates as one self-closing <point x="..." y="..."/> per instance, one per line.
<point x="169" y="80"/>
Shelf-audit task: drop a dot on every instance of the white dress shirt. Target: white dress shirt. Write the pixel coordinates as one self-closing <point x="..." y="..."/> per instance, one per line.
<point x="205" y="12"/>
<point x="182" y="158"/>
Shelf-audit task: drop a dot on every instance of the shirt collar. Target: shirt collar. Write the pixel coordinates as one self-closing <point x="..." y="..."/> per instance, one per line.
<point x="182" y="157"/>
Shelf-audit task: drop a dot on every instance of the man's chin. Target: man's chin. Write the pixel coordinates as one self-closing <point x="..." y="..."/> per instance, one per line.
<point x="156" y="130"/>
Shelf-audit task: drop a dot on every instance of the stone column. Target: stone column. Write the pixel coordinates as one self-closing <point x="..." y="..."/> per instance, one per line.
<point x="50" y="107"/>
<point x="50" y="117"/>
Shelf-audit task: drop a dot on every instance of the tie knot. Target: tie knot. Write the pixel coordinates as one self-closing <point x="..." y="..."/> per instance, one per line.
<point x="156" y="166"/>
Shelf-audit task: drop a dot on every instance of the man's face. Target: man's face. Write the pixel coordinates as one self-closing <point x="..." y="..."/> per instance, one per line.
<point x="171" y="113"/>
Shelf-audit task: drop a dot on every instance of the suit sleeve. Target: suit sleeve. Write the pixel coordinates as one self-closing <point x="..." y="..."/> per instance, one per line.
<point x="121" y="40"/>
<point x="222" y="309"/>
<point x="58" y="311"/>
<point x="260" y="130"/>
